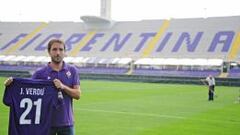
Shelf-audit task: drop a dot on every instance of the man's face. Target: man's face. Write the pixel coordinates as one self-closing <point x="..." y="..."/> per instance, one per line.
<point x="57" y="52"/>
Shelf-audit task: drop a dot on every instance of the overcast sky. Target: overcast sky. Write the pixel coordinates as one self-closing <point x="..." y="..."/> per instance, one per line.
<point x="122" y="10"/>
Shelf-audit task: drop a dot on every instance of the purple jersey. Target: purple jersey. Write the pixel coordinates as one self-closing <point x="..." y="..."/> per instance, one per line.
<point x="31" y="105"/>
<point x="68" y="75"/>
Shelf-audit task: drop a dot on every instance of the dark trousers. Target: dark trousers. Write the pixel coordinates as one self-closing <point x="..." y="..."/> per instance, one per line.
<point x="211" y="93"/>
<point x="62" y="130"/>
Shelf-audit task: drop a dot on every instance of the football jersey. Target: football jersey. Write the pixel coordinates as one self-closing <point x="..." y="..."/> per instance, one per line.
<point x="31" y="103"/>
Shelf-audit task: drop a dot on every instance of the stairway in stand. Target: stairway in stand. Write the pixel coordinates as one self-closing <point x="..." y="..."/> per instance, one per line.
<point x="223" y="75"/>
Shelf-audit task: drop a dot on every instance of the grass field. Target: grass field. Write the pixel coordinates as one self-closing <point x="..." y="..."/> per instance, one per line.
<point x="121" y="108"/>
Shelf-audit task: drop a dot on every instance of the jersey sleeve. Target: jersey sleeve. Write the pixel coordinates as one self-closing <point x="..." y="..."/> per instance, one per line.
<point x="7" y="98"/>
<point x="35" y="75"/>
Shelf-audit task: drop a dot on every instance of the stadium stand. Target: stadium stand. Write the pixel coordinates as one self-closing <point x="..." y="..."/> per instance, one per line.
<point x="177" y="47"/>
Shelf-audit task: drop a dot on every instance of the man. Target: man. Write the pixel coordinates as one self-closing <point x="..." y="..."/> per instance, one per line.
<point x="211" y="85"/>
<point x="66" y="79"/>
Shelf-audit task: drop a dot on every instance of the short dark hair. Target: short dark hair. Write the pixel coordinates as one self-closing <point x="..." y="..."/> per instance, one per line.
<point x="51" y="42"/>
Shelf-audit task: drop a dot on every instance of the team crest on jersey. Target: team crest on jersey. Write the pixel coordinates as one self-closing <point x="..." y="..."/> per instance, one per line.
<point x="68" y="73"/>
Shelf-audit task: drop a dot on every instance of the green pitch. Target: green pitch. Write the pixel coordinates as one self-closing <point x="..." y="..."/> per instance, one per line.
<point x="120" y="108"/>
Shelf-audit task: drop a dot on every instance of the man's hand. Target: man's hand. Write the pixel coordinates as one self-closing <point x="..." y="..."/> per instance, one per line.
<point x="74" y="92"/>
<point x="58" y="84"/>
<point x="8" y="81"/>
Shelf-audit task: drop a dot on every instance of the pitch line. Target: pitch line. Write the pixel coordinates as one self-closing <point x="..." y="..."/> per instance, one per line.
<point x="157" y="115"/>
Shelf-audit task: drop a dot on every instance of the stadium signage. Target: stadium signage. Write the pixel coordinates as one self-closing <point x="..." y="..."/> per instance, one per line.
<point x="117" y="41"/>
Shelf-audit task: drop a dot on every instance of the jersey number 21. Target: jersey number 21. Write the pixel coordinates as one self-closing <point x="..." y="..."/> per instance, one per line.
<point x="27" y="103"/>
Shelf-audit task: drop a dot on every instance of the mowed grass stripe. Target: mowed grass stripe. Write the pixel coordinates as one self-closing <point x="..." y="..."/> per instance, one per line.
<point x="160" y="116"/>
